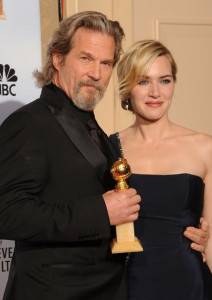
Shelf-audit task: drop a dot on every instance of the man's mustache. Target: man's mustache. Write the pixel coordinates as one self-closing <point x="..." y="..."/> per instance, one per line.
<point x="93" y="83"/>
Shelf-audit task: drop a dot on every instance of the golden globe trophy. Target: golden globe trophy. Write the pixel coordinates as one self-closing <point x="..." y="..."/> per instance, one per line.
<point x="125" y="240"/>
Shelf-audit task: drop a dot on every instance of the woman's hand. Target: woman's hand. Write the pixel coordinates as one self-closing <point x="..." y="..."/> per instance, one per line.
<point x="199" y="236"/>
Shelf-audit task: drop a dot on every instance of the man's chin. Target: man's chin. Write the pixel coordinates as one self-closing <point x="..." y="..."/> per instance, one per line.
<point x="86" y="104"/>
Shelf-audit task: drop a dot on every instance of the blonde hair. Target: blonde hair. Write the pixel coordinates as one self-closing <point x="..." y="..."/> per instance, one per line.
<point x="63" y="38"/>
<point x="135" y="64"/>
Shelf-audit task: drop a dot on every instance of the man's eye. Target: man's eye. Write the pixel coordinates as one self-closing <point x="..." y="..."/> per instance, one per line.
<point x="107" y="64"/>
<point x="84" y="58"/>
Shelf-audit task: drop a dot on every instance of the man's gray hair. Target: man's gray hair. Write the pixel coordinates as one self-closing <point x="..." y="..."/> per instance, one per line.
<point x="63" y="37"/>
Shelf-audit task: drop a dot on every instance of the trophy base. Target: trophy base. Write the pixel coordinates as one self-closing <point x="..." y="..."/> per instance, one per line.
<point x="124" y="247"/>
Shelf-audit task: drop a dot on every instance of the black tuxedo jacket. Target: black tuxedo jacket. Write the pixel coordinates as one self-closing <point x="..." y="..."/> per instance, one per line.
<point x="52" y="177"/>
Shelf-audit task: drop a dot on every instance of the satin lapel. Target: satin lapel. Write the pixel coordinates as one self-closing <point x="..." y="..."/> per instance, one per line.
<point x="80" y="137"/>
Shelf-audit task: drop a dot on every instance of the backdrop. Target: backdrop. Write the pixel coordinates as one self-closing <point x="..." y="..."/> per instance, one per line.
<point x="20" y="54"/>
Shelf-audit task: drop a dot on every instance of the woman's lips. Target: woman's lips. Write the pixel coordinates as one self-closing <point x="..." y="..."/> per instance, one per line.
<point x="154" y="103"/>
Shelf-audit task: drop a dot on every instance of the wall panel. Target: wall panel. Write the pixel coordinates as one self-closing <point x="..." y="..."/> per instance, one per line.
<point x="190" y="41"/>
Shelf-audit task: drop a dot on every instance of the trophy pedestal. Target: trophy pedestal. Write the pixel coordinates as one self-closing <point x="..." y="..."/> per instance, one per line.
<point x="125" y="237"/>
<point x="125" y="240"/>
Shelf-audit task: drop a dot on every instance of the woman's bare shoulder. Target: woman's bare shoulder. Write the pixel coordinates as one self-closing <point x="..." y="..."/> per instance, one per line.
<point x="203" y="138"/>
<point x="198" y="136"/>
<point x="203" y="143"/>
<point x="179" y="130"/>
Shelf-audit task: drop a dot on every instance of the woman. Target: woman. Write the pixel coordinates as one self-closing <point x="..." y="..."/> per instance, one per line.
<point x="172" y="171"/>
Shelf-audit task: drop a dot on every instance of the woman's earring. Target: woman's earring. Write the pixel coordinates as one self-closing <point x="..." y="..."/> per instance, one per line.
<point x="127" y="104"/>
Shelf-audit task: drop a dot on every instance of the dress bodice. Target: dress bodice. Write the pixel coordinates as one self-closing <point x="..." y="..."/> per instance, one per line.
<point x="169" y="204"/>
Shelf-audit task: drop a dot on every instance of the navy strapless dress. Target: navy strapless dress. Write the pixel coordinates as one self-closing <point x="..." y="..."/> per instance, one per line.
<point x="167" y="269"/>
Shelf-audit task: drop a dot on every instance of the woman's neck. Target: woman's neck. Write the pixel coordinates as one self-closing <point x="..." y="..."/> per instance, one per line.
<point x="152" y="131"/>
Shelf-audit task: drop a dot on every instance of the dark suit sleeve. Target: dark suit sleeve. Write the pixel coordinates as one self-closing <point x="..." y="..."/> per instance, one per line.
<point x="24" y="171"/>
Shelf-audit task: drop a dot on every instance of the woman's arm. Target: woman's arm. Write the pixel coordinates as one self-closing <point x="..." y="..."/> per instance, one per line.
<point x="207" y="213"/>
<point x="207" y="209"/>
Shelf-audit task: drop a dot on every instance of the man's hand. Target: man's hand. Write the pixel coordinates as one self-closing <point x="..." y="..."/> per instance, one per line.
<point x="122" y="206"/>
<point x="199" y="236"/>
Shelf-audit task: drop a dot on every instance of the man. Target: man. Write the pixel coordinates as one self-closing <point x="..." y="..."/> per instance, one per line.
<point x="56" y="193"/>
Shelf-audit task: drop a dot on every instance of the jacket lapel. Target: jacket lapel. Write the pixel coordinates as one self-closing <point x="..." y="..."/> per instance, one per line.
<point x="77" y="133"/>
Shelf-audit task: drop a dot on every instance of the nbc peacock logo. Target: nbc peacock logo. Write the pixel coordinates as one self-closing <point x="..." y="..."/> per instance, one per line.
<point x="7" y="77"/>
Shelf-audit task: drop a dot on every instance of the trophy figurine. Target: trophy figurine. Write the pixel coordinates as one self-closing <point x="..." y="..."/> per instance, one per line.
<point x="125" y="240"/>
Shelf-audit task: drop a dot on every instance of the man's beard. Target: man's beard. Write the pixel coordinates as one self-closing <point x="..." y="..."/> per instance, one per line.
<point x="89" y="101"/>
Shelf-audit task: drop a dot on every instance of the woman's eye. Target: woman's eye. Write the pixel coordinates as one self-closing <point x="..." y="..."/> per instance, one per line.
<point x="166" y="81"/>
<point x="143" y="82"/>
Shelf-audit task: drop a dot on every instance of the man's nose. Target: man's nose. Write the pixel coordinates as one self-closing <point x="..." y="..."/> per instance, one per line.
<point x="95" y="71"/>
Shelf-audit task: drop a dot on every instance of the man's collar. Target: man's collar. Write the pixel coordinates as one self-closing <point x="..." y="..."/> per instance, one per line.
<point x="82" y="115"/>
